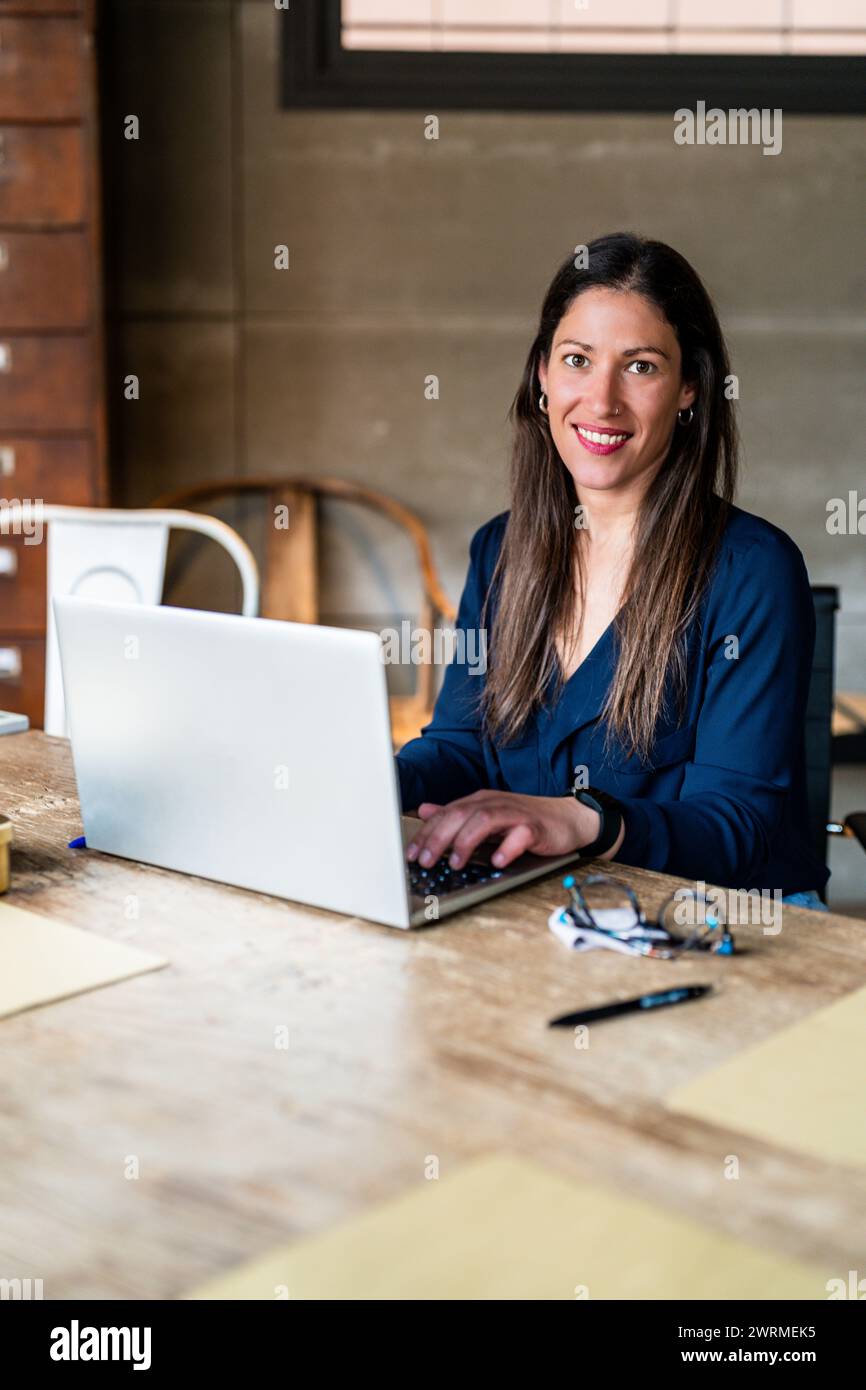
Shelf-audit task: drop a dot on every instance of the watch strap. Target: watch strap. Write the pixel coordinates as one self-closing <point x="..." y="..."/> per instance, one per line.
<point x="611" y="813"/>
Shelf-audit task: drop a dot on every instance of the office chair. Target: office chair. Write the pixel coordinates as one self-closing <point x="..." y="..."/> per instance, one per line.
<point x="819" y="718"/>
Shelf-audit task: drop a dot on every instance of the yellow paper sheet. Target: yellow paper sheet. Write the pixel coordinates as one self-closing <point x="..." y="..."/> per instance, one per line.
<point x="42" y="960"/>
<point x="803" y="1088"/>
<point x="504" y="1228"/>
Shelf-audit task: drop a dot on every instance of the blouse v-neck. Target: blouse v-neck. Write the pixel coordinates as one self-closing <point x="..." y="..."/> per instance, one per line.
<point x="593" y="651"/>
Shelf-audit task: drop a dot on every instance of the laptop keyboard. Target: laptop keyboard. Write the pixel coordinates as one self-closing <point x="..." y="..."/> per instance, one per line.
<point x="440" y="878"/>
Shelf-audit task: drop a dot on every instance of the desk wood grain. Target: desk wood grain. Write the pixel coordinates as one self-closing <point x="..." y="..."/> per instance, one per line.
<point x="402" y="1046"/>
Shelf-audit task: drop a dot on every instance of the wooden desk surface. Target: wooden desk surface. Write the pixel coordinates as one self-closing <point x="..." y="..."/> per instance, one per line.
<point x="402" y="1045"/>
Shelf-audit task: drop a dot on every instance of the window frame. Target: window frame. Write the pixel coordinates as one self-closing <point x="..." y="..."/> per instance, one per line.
<point x="317" y="72"/>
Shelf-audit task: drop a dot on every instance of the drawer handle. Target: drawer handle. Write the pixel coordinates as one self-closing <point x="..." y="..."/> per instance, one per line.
<point x="8" y="562"/>
<point x="5" y="357"/>
<point x="4" y="255"/>
<point x="7" y="460"/>
<point x="10" y="663"/>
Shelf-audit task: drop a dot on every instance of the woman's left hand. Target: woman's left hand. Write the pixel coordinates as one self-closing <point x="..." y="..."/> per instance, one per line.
<point x="543" y="824"/>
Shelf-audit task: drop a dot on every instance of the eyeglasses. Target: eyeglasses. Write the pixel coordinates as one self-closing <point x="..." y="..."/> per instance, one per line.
<point x="603" y="912"/>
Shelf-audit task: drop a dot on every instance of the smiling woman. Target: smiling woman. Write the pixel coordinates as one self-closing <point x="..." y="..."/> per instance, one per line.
<point x="649" y="643"/>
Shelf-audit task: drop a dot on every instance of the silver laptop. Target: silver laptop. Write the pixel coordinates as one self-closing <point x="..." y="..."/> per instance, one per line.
<point x="253" y="752"/>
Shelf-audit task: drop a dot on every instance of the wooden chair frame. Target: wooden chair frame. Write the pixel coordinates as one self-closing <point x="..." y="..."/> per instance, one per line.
<point x="289" y="587"/>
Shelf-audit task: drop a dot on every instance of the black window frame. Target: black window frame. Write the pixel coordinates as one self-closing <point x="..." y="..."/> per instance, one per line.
<point x="317" y="72"/>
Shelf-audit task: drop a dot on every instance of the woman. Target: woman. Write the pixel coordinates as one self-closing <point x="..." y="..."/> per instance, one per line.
<point x="649" y="644"/>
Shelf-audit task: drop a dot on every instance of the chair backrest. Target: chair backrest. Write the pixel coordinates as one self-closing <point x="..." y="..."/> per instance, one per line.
<point x="819" y="716"/>
<point x="290" y="583"/>
<point x="116" y="555"/>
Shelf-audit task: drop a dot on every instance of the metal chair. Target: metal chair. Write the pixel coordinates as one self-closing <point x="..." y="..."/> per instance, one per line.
<point x="116" y="555"/>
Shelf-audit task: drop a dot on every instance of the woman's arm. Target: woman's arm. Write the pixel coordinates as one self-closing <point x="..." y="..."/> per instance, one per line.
<point x="749" y="735"/>
<point x="750" y="728"/>
<point x="447" y="761"/>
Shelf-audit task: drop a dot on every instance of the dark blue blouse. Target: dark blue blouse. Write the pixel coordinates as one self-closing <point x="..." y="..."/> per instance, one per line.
<point x="723" y="797"/>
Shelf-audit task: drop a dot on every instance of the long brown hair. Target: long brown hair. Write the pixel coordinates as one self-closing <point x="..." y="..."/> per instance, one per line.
<point x="681" y="519"/>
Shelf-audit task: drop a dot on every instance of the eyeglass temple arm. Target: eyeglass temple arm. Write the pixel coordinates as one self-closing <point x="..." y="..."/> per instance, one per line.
<point x="594" y="879"/>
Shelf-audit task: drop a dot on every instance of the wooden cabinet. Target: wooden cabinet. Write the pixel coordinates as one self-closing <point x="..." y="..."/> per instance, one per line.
<point x="42" y="68"/>
<point x="52" y="418"/>
<point x="44" y="281"/>
<point x="42" y="175"/>
<point x="22" y="675"/>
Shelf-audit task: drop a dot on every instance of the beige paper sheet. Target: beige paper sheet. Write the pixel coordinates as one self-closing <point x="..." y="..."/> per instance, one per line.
<point x="505" y="1228"/>
<point x="42" y="960"/>
<point x="803" y="1088"/>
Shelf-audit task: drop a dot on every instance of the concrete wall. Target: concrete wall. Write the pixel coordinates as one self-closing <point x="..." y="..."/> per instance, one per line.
<point x="411" y="257"/>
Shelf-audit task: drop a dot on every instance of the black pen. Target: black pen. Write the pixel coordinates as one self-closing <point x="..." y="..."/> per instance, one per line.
<point x="660" y="1000"/>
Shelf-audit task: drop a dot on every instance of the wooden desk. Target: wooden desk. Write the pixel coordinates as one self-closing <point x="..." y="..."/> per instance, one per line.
<point x="849" y="713"/>
<point x="401" y="1045"/>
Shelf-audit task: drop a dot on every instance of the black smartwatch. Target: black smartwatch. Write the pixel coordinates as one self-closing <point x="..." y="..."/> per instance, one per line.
<point x="610" y="811"/>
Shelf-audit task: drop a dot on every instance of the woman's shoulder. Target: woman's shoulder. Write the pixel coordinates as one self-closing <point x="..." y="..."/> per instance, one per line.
<point x="486" y="543"/>
<point x="744" y="531"/>
<point x="755" y="554"/>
